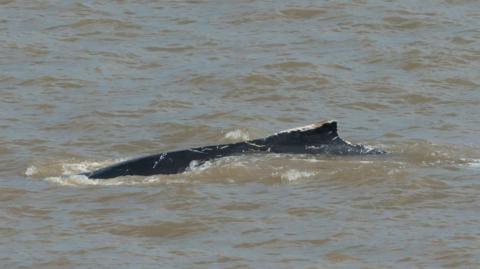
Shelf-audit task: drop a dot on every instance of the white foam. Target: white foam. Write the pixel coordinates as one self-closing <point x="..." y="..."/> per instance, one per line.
<point x="163" y="180"/>
<point x="32" y="170"/>
<point x="196" y="167"/>
<point x="293" y="175"/>
<point x="73" y="180"/>
<point x="237" y="135"/>
<point x="80" y="180"/>
<point x="473" y="163"/>
<point x="72" y="168"/>
<point x="86" y="166"/>
<point x="67" y="173"/>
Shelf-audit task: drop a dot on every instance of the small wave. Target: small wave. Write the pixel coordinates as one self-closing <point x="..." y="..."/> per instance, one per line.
<point x="81" y="180"/>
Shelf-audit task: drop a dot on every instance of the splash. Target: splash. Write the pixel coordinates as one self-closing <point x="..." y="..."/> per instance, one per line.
<point x="65" y="167"/>
<point x="31" y="170"/>
<point x="237" y="135"/>
<point x="274" y="168"/>
<point x="75" y="180"/>
<point x="66" y="172"/>
<point x="197" y="167"/>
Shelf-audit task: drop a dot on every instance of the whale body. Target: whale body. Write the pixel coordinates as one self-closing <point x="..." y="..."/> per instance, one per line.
<point x="311" y="139"/>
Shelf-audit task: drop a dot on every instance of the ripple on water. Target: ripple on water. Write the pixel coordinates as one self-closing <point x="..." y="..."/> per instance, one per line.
<point x="49" y="81"/>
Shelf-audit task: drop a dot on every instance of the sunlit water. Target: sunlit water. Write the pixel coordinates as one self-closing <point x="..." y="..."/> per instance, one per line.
<point x="85" y="84"/>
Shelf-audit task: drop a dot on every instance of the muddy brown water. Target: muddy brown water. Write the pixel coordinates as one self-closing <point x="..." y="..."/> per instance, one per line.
<point x="84" y="84"/>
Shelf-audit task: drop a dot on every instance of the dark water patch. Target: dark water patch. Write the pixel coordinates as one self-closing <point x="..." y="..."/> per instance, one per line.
<point x="160" y="229"/>
<point x="49" y="81"/>
<point x="261" y="79"/>
<point x="316" y="80"/>
<point x="100" y="212"/>
<point x="365" y="105"/>
<point x="290" y="65"/>
<point x="459" y="40"/>
<point x="279" y="243"/>
<point x="11" y="194"/>
<point x="29" y="212"/>
<point x="273" y="98"/>
<point x="415" y="99"/>
<point x="301" y="13"/>
<point x="169" y="49"/>
<point x="241" y="206"/>
<point x="308" y="211"/>
<point x="403" y="23"/>
<point x="60" y="262"/>
<point x="95" y="23"/>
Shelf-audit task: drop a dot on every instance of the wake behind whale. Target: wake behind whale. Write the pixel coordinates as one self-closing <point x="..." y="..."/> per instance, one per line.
<point x="310" y="139"/>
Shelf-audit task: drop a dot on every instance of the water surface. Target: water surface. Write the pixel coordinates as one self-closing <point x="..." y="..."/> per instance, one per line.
<point x="84" y="84"/>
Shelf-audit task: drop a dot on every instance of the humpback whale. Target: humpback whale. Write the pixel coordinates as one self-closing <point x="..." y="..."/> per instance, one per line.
<point x="319" y="138"/>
